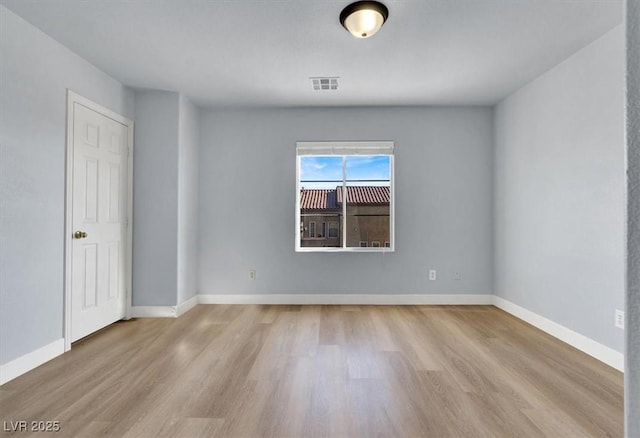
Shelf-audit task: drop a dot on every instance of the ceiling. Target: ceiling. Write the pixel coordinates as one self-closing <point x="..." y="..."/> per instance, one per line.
<point x="263" y="52"/>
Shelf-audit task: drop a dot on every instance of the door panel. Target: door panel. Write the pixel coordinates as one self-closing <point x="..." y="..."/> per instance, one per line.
<point x="113" y="269"/>
<point x="90" y="190"/>
<point x="100" y="188"/>
<point x="89" y="275"/>
<point x="92" y="134"/>
<point x="114" y="192"/>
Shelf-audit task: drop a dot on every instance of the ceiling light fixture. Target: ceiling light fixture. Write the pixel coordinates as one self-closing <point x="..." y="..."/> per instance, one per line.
<point x="363" y="19"/>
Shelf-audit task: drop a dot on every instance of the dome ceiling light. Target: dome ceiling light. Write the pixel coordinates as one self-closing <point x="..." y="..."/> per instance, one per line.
<point x="363" y="19"/>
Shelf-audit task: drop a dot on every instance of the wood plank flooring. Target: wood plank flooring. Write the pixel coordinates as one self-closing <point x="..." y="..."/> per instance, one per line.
<point x="322" y="371"/>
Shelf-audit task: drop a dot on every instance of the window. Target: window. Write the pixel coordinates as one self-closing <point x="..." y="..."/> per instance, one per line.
<point x="312" y="229"/>
<point x="348" y="189"/>
<point x="333" y="230"/>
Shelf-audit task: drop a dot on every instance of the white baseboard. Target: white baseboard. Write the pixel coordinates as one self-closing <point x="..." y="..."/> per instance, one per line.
<point x="587" y="345"/>
<point x="29" y="361"/>
<point x="187" y="305"/>
<point x="349" y="299"/>
<point x="164" y="311"/>
<point x="154" y="312"/>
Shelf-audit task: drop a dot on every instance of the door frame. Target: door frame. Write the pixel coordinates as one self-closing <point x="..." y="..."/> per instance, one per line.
<point x="73" y="98"/>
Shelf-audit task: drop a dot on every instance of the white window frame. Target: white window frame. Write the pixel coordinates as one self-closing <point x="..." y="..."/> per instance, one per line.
<point x="375" y="244"/>
<point x="326" y="149"/>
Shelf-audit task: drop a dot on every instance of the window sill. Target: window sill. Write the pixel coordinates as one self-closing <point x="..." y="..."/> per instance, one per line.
<point x="329" y="249"/>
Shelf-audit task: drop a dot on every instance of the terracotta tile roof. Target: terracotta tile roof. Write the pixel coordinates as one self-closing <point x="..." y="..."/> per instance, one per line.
<point x="325" y="199"/>
<point x="366" y="195"/>
<point x="315" y="199"/>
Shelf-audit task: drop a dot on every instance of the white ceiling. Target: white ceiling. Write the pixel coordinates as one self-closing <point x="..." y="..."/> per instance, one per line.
<point x="262" y="52"/>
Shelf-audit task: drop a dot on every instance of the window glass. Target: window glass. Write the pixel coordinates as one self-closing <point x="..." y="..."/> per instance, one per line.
<point x="319" y="177"/>
<point x="368" y="182"/>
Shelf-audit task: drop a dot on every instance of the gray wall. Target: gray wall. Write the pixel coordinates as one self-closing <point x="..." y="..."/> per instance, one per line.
<point x="35" y="72"/>
<point x="559" y="192"/>
<point x="632" y="366"/>
<point x="155" y="218"/>
<point x="443" y="192"/>
<point x="188" y="157"/>
<point x="165" y="199"/>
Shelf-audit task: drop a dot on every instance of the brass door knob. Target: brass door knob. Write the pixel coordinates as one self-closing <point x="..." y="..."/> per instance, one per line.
<point x="80" y="234"/>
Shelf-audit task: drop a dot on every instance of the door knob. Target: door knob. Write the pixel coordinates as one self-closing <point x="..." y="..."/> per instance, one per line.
<point x="80" y="234"/>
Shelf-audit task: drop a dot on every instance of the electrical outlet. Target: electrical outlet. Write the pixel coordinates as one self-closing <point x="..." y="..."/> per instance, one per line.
<point x="252" y="274"/>
<point x="619" y="321"/>
<point x="433" y="274"/>
<point x="457" y="275"/>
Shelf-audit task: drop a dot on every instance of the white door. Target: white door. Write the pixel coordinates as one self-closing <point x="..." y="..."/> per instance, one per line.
<point x="99" y="221"/>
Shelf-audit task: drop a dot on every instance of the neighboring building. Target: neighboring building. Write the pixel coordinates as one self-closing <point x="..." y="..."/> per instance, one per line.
<point x="367" y="222"/>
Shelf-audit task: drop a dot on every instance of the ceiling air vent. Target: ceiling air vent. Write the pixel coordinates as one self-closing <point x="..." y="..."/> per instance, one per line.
<point x="325" y="83"/>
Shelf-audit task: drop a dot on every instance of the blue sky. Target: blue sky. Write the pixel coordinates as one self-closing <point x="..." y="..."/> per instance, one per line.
<point x="359" y="167"/>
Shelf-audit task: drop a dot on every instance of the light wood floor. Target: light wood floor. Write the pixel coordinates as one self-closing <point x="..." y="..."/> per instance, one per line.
<point x="297" y="371"/>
